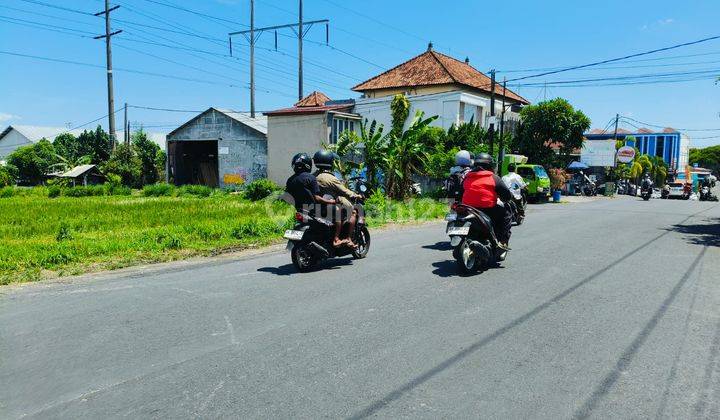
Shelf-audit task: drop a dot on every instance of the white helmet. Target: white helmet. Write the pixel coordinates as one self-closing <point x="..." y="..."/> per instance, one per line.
<point x="463" y="158"/>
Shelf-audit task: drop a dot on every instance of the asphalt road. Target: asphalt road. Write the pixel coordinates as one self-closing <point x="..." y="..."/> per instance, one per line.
<point x="606" y="309"/>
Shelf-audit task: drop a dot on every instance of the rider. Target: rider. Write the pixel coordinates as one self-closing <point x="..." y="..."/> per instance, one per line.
<point x="646" y="182"/>
<point x="482" y="188"/>
<point x="303" y="186"/>
<point x="463" y="165"/>
<point x="329" y="184"/>
<point x="514" y="182"/>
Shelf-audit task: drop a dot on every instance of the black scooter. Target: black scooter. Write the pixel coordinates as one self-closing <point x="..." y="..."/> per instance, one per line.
<point x="517" y="208"/>
<point x="646" y="192"/>
<point x="473" y="240"/>
<point x="311" y="240"/>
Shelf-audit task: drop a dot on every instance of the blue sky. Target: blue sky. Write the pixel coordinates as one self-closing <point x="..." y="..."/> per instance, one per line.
<point x="365" y="38"/>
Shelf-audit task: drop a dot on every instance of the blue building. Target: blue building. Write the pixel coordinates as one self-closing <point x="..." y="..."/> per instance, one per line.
<point x="668" y="143"/>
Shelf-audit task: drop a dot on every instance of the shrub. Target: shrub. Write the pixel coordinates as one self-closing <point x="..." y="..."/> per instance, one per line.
<point x="8" y="174"/>
<point x="260" y="188"/>
<point x="111" y="189"/>
<point x="54" y="191"/>
<point x="196" y="190"/>
<point x="158" y="190"/>
<point x="7" y="192"/>
<point x="82" y="191"/>
<point x="64" y="233"/>
<point x="558" y="178"/>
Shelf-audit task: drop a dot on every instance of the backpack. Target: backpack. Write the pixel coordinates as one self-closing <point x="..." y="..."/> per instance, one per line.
<point x="454" y="184"/>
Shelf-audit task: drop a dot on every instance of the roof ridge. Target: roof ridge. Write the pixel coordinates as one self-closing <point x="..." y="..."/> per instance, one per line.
<point x="449" y="73"/>
<point x="389" y="70"/>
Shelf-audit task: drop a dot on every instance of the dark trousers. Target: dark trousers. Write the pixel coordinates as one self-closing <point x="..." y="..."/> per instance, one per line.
<point x="502" y="221"/>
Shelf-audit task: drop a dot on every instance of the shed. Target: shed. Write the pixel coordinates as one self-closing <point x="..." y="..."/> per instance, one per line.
<point x="218" y="148"/>
<point x="84" y="175"/>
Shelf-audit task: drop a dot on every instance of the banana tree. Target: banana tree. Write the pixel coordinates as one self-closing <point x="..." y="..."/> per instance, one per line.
<point x="406" y="154"/>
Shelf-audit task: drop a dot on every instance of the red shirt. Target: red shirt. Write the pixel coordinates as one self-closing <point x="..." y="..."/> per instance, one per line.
<point x="480" y="189"/>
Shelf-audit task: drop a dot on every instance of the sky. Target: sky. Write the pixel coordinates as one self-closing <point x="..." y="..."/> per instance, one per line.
<point x="171" y="58"/>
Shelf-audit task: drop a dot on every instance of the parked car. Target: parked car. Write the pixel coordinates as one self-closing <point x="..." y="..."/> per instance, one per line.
<point x="678" y="190"/>
<point x="537" y="180"/>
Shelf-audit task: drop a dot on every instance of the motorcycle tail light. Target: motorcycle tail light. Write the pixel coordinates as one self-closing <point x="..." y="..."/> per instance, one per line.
<point x="299" y="217"/>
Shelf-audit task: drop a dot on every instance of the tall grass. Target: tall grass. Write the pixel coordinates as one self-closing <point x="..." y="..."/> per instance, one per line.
<point x="41" y="236"/>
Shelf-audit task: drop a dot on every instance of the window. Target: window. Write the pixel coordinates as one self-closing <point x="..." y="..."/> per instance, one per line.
<point x="338" y="126"/>
<point x="526" y="172"/>
<point x="660" y="146"/>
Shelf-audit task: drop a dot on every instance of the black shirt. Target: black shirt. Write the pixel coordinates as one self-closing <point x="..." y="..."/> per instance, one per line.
<point x="303" y="187"/>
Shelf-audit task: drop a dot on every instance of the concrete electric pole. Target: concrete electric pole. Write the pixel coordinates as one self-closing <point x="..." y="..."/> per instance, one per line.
<point x="300" y="28"/>
<point x="108" y="51"/>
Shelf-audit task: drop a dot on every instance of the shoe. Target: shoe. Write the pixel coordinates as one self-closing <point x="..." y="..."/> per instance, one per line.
<point x="504" y="246"/>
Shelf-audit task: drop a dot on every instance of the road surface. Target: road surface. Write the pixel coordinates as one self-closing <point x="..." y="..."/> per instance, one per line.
<point x="606" y="309"/>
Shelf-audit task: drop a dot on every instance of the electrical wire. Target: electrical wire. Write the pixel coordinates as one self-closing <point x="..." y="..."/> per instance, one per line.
<point x="611" y="60"/>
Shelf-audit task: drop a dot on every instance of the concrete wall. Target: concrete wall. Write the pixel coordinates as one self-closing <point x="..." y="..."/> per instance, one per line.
<point x="242" y="151"/>
<point x="292" y="134"/>
<point x="446" y="105"/>
<point x="11" y="142"/>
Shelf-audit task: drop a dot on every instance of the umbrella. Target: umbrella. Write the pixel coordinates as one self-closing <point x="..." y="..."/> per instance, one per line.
<point x="577" y="166"/>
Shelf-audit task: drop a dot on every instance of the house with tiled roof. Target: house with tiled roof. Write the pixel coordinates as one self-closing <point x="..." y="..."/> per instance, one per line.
<point x="438" y="85"/>
<point x="313" y="121"/>
<point x="667" y="143"/>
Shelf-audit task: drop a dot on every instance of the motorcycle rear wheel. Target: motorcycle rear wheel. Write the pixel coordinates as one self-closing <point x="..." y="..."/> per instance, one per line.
<point x="467" y="261"/>
<point x="303" y="259"/>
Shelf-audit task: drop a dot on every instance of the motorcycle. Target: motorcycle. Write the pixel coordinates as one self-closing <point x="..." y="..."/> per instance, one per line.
<point x="589" y="189"/>
<point x="706" y="194"/>
<point x="646" y="192"/>
<point x="310" y="241"/>
<point x="517" y="208"/>
<point x="474" y="243"/>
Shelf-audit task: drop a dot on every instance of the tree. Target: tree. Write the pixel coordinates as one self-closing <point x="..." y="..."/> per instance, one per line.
<point x="33" y="162"/>
<point x="547" y="123"/>
<point x="8" y="175"/>
<point x="400" y="111"/>
<point x="67" y="146"/>
<point x="708" y="157"/>
<point x="405" y="156"/>
<point x="125" y="163"/>
<point x="95" y="144"/>
<point x="152" y="158"/>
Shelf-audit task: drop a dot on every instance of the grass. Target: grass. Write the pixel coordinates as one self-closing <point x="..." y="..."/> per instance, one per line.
<point x="43" y="237"/>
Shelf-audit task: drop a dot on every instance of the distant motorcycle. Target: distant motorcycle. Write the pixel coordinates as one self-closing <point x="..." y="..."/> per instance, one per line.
<point x="706" y="194"/>
<point x="517" y="209"/>
<point x="646" y="193"/>
<point x="473" y="239"/>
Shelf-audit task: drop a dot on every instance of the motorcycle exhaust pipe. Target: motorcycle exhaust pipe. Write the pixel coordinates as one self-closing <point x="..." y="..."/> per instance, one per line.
<point x="318" y="250"/>
<point x="482" y="250"/>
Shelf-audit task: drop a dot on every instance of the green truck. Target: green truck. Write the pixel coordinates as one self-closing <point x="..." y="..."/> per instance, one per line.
<point x="535" y="176"/>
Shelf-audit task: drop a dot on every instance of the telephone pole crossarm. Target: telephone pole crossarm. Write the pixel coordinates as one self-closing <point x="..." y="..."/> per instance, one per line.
<point x="290" y="25"/>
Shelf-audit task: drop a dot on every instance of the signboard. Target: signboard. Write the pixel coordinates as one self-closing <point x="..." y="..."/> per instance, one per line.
<point x="598" y="153"/>
<point x="223" y="150"/>
<point x="625" y="154"/>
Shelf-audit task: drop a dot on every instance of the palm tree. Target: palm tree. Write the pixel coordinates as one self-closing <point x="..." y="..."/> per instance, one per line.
<point x="65" y="164"/>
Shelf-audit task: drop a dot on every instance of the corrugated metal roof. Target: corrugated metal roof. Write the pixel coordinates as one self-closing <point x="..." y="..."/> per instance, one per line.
<point x="77" y="171"/>
<point x="258" y="123"/>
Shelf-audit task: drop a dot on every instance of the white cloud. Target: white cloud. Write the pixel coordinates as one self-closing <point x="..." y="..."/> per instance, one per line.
<point x="659" y="22"/>
<point x="666" y="21"/>
<point x="7" y="117"/>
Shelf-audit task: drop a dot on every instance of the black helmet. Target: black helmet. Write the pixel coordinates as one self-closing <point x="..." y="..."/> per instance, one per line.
<point x="485" y="161"/>
<point x="301" y="163"/>
<point x="324" y="159"/>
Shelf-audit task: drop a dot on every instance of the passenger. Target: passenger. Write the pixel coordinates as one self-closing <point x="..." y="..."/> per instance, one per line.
<point x="330" y="185"/>
<point x="303" y="186"/>
<point x="463" y="165"/>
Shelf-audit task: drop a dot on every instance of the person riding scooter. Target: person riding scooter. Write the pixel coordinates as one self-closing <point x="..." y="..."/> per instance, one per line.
<point x="463" y="165"/>
<point x="303" y="186"/>
<point x="518" y="188"/>
<point x="329" y="184"/>
<point x="481" y="190"/>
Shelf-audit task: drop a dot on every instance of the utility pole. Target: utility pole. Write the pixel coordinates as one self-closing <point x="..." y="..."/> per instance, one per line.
<point x="300" y="51"/>
<point x="501" y="147"/>
<point x="492" y="111"/>
<point x="126" y="137"/>
<point x="252" y="59"/>
<point x="108" y="52"/>
<point x="617" y="117"/>
<point x="300" y="28"/>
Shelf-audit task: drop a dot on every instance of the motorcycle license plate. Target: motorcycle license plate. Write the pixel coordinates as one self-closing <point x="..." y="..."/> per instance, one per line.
<point x="458" y="230"/>
<point x="451" y="217"/>
<point x="293" y="235"/>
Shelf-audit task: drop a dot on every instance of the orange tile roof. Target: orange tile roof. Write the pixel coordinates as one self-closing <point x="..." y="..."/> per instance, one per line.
<point x="314" y="99"/>
<point x="433" y="68"/>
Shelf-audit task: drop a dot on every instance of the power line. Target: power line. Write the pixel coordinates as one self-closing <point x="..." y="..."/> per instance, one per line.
<point x="628" y="77"/>
<point x="661" y="126"/>
<point x="685" y="44"/>
<point x="67" y="9"/>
